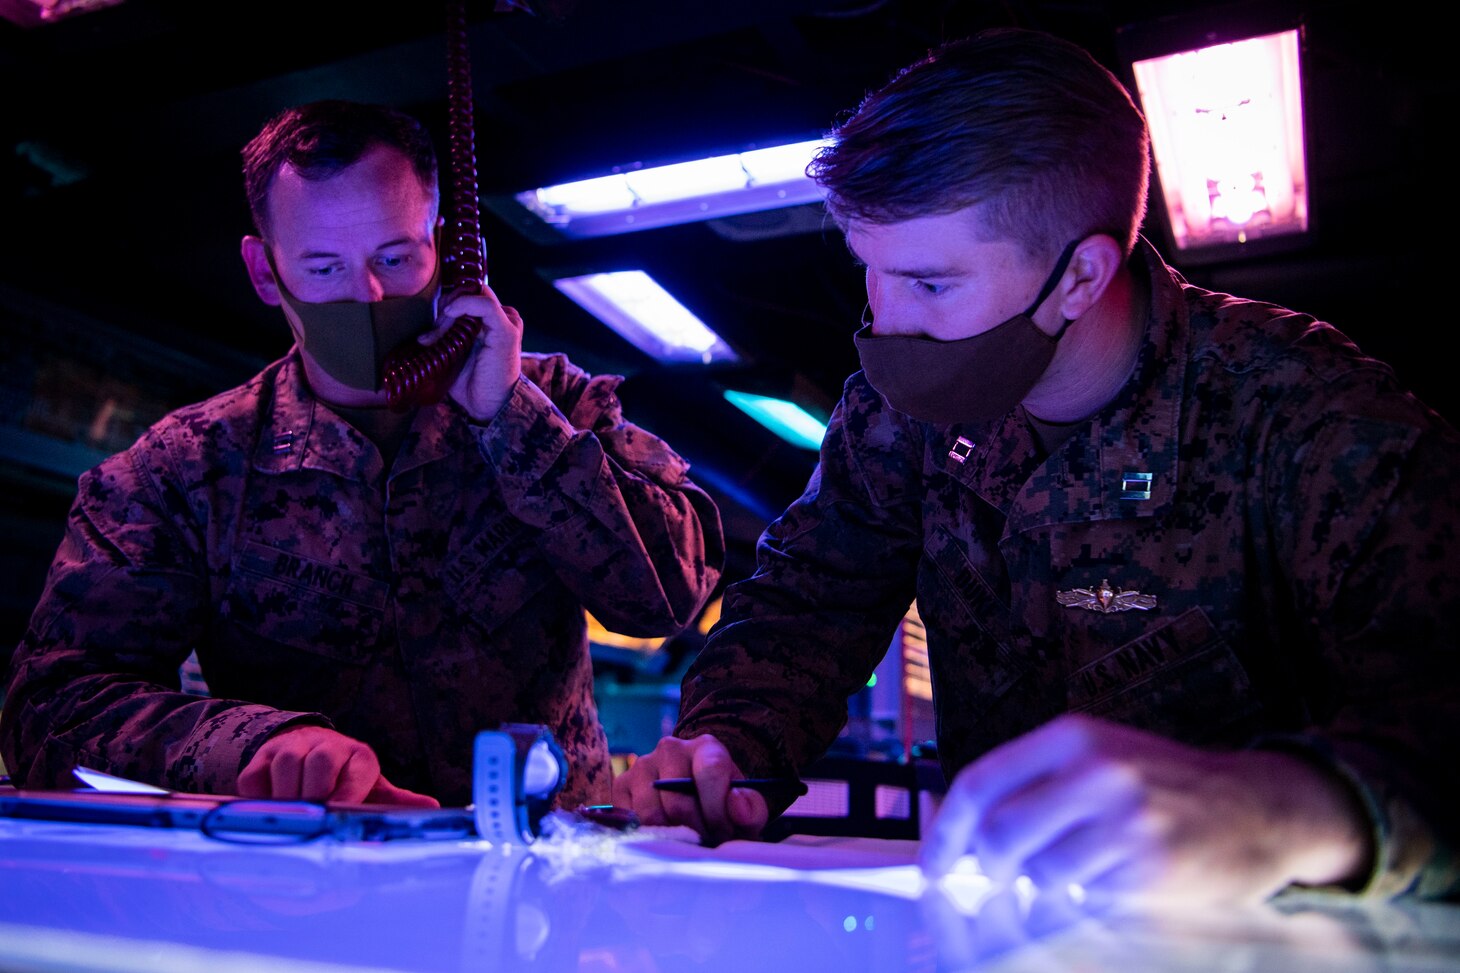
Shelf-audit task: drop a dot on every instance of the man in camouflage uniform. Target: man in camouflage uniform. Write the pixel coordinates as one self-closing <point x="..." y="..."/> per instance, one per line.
<point x="1186" y="562"/>
<point x="365" y="590"/>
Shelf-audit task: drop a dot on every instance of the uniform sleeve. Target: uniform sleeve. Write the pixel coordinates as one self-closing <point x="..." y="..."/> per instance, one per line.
<point x="1368" y="518"/>
<point x="835" y="574"/>
<point x="623" y="525"/>
<point x="94" y="682"/>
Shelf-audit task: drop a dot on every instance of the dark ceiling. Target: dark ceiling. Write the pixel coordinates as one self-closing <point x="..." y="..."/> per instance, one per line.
<point x="122" y="202"/>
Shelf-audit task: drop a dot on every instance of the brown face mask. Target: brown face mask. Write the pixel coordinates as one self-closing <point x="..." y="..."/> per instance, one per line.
<point x="973" y="379"/>
<point x="350" y="339"/>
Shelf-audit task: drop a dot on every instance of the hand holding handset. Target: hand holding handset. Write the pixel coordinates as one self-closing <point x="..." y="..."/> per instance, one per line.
<point x="415" y="374"/>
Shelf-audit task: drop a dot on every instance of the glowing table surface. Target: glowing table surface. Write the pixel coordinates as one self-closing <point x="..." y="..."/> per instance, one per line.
<point x="81" y="897"/>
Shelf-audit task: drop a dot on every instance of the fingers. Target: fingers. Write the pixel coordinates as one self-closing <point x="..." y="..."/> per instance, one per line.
<point x="494" y="365"/>
<point x="339" y="770"/>
<point x="1120" y="814"/>
<point x="962" y="821"/>
<point x="1082" y="856"/>
<point x="1095" y="797"/>
<point x="253" y="780"/>
<point x="1014" y="800"/>
<point x="635" y="787"/>
<point x="713" y="770"/>
<point x="484" y="306"/>
<point x="951" y="834"/>
<point x="275" y="770"/>
<point x="716" y="811"/>
<point x="283" y="774"/>
<point x="311" y="763"/>
<point x="348" y="783"/>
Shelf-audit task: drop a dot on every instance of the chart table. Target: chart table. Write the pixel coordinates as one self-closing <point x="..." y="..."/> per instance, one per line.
<point x="80" y="897"/>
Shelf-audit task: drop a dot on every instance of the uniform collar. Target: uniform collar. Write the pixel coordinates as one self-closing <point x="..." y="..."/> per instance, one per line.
<point x="300" y="432"/>
<point x="1121" y="464"/>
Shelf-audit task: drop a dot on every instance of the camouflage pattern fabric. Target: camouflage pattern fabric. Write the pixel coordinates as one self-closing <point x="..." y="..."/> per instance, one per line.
<point x="408" y="608"/>
<point x="1285" y="514"/>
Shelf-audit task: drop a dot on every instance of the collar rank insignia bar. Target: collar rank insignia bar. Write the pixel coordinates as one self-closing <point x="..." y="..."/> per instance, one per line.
<point x="1105" y="599"/>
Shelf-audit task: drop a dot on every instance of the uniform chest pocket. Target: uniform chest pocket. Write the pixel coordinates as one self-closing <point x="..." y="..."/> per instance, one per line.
<point x="970" y="640"/>
<point x="1181" y="680"/>
<point x="313" y="606"/>
<point x="493" y="577"/>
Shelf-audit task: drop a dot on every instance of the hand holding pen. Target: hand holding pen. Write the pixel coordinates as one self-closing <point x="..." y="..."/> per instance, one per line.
<point x="697" y="784"/>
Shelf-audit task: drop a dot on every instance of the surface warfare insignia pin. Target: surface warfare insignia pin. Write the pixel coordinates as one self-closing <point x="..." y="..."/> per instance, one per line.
<point x="1105" y="599"/>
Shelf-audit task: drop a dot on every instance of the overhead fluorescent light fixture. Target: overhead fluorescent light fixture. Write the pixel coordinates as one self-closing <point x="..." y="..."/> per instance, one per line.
<point x="685" y="192"/>
<point x="644" y="313"/>
<point x="1227" y="132"/>
<point x="786" y="419"/>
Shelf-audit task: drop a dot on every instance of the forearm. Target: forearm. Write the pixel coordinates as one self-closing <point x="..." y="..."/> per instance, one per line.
<point x="800" y="637"/>
<point x="774" y="689"/>
<point x="1382" y="601"/>
<point x="69" y="707"/>
<point x="95" y="679"/>
<point x="620" y="520"/>
<point x="835" y="575"/>
<point x="643" y="556"/>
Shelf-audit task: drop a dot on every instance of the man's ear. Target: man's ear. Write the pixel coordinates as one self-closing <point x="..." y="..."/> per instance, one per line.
<point x="1095" y="263"/>
<point x="260" y="272"/>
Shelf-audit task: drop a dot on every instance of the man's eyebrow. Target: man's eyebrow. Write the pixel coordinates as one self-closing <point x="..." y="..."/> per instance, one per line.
<point x="922" y="273"/>
<point x="403" y="241"/>
<point x="919" y="273"/>
<point x="927" y="272"/>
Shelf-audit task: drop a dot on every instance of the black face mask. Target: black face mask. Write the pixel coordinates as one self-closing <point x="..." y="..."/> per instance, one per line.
<point x="351" y="339"/>
<point x="974" y="379"/>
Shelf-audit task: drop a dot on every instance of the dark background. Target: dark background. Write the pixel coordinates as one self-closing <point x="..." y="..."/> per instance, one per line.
<point x="121" y="203"/>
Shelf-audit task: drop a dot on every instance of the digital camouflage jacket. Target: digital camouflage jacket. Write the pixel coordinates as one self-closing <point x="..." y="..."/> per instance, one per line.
<point x="1284" y="515"/>
<point x="407" y="610"/>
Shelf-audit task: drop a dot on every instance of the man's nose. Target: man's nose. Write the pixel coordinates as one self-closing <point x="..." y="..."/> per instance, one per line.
<point x="367" y="288"/>
<point x="886" y="318"/>
<point x="881" y="311"/>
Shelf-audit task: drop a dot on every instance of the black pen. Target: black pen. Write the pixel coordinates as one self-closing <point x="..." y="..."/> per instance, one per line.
<point x="778" y="786"/>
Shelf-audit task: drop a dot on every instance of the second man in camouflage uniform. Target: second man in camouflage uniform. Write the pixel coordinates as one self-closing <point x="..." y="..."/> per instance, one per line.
<point x="1186" y="562"/>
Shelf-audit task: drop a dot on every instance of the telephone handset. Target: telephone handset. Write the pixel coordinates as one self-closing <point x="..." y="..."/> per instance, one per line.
<point x="415" y="374"/>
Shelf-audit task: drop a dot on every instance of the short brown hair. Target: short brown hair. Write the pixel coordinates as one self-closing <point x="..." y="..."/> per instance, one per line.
<point x="323" y="137"/>
<point x="1030" y="128"/>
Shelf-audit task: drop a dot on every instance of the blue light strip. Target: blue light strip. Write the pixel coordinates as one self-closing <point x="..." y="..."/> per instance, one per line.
<point x="786" y="419"/>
